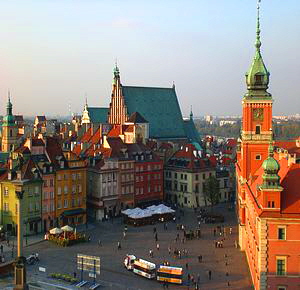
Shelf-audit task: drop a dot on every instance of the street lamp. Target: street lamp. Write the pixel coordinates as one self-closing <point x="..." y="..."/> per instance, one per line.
<point x="20" y="269"/>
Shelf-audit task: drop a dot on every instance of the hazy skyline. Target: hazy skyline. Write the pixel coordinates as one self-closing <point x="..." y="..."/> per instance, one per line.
<point x="52" y="52"/>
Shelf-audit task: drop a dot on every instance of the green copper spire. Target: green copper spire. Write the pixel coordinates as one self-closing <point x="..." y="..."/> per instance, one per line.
<point x="257" y="78"/>
<point x="191" y="113"/>
<point x="9" y="119"/>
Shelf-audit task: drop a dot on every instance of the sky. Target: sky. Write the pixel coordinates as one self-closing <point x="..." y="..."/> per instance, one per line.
<point x="54" y="52"/>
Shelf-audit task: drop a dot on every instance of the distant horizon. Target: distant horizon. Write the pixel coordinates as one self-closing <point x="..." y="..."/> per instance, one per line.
<point x="55" y="53"/>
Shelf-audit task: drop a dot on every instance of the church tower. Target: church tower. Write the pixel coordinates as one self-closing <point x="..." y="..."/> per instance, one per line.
<point x="9" y="129"/>
<point x="117" y="108"/>
<point x="257" y="104"/>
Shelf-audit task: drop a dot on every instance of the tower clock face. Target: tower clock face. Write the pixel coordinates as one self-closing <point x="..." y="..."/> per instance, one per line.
<point x="258" y="114"/>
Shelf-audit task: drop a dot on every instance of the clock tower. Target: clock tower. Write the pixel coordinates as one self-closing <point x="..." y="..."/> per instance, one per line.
<point x="257" y="104"/>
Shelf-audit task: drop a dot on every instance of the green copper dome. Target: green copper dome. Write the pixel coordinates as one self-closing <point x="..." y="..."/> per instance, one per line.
<point x="9" y="119"/>
<point x="271" y="179"/>
<point x="271" y="165"/>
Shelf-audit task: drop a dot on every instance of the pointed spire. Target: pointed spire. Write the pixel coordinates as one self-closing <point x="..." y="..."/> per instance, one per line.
<point x="257" y="78"/>
<point x="258" y="42"/>
<point x="191" y="113"/>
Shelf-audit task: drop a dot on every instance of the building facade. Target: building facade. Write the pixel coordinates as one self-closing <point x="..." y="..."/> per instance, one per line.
<point x="268" y="198"/>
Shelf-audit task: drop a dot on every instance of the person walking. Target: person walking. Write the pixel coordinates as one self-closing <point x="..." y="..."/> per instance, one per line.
<point x="99" y="243"/>
<point x="200" y="258"/>
<point x="198" y="278"/>
<point x="209" y="274"/>
<point x="157" y="246"/>
<point x="214" y="232"/>
<point x="169" y="250"/>
<point x="156" y="237"/>
<point x="119" y="246"/>
<point x="1" y="249"/>
<point x="187" y="265"/>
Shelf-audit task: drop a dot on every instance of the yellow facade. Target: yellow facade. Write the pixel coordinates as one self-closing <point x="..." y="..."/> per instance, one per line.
<point x="70" y="189"/>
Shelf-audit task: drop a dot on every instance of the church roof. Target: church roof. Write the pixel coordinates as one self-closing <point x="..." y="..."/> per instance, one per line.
<point x="191" y="131"/>
<point x="98" y="115"/>
<point x="159" y="106"/>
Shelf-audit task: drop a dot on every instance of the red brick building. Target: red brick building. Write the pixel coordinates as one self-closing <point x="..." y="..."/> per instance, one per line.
<point x="268" y="196"/>
<point x="148" y="174"/>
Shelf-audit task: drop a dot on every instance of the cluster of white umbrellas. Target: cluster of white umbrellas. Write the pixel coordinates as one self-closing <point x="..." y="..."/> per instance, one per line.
<point x="137" y="213"/>
<point x="56" y="231"/>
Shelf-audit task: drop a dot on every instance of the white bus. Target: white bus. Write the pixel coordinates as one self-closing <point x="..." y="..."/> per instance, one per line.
<point x="144" y="268"/>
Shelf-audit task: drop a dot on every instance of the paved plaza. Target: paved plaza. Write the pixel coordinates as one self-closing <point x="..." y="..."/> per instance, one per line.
<point x="228" y="265"/>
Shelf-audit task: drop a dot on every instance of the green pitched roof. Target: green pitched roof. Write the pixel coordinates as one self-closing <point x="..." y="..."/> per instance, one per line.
<point x="191" y="131"/>
<point x="98" y="115"/>
<point x="159" y="106"/>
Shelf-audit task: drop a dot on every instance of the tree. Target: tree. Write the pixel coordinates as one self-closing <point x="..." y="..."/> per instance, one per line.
<point x="211" y="190"/>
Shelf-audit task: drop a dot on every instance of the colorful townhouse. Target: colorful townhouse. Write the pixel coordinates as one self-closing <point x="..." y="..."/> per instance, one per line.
<point x="21" y="175"/>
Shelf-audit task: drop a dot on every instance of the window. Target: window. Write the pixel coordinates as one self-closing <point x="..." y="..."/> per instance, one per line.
<point x="258" y="157"/>
<point x="225" y="183"/>
<point x="281" y="266"/>
<point x="79" y="188"/>
<point x="65" y="189"/>
<point x="197" y="176"/>
<point x="185" y="200"/>
<point x="6" y="191"/>
<point x="45" y="183"/>
<point x="65" y="176"/>
<point x="58" y="177"/>
<point x="51" y="182"/>
<point x="257" y="129"/>
<point x="73" y="189"/>
<point x="78" y="175"/>
<point x="281" y="233"/>
<point x="65" y="203"/>
<point x="59" y="204"/>
<point x="6" y="208"/>
<point x="74" y="176"/>
<point x="259" y="79"/>
<point x="59" y="190"/>
<point x="281" y="288"/>
<point x="175" y="175"/>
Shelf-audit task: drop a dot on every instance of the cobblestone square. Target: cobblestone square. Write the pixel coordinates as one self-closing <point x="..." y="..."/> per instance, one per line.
<point x="138" y="241"/>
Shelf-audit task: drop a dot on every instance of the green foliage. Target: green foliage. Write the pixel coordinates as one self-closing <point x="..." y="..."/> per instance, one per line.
<point x="284" y="130"/>
<point x="63" y="277"/>
<point x="66" y="242"/>
<point x="211" y="190"/>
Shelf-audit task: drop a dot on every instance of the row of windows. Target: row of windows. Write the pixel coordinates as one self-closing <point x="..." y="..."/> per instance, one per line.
<point x="127" y="165"/>
<point x="50" y="183"/>
<point x="75" y="189"/>
<point x="140" y="190"/>
<point x="48" y="195"/>
<point x="48" y="208"/>
<point x="127" y="177"/>
<point x="30" y="193"/>
<point x="141" y="178"/>
<point x="148" y="167"/>
<point x="73" y="203"/>
<point x="66" y="176"/>
<point x="127" y="189"/>
<point x="183" y="176"/>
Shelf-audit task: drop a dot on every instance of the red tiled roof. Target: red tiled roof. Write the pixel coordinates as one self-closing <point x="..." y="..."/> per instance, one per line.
<point x="290" y="146"/>
<point x="87" y="135"/>
<point x="115" y="131"/>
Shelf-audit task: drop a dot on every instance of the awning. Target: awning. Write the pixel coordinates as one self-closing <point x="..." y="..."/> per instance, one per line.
<point x="73" y="212"/>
